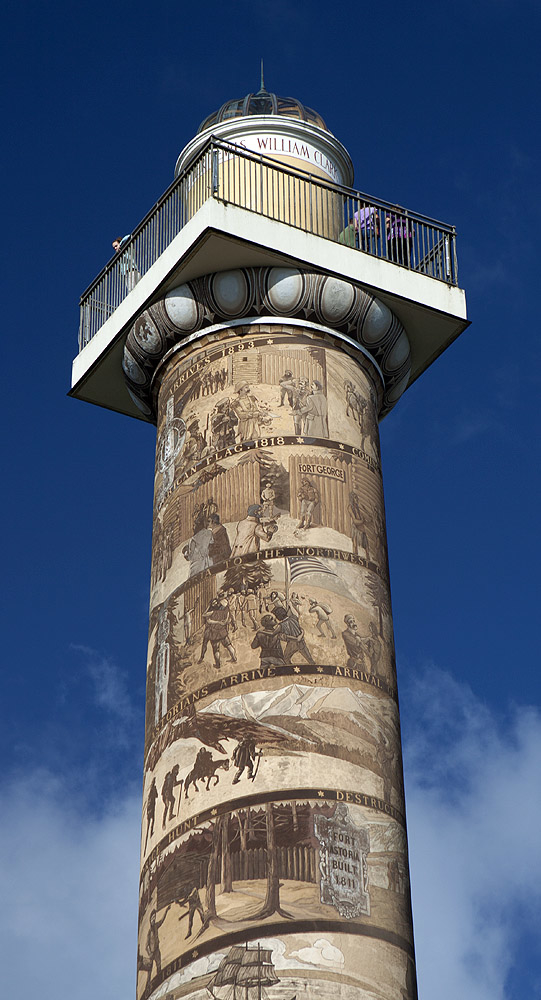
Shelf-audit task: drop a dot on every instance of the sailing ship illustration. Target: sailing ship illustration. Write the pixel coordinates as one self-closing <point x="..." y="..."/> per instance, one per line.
<point x="244" y="972"/>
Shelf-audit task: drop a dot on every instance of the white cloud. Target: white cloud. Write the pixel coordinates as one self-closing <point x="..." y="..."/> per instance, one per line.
<point x="474" y="811"/>
<point x="322" y="953"/>
<point x="69" y="881"/>
<point x="69" y="886"/>
<point x="110" y="686"/>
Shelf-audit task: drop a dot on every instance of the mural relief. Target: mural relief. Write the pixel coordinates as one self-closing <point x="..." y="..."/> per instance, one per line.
<point x="262" y="388"/>
<point x="286" y="613"/>
<point x="273" y="796"/>
<point x="302" y="965"/>
<point x="271" y="737"/>
<point x="291" y="865"/>
<point x="265" y="499"/>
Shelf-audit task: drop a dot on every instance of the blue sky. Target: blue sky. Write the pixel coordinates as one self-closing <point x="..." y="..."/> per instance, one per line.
<point x="438" y="108"/>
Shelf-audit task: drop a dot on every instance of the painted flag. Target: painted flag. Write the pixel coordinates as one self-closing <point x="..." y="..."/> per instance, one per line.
<point x="306" y="565"/>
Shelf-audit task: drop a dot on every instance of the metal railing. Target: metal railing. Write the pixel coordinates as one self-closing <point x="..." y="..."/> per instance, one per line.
<point x="262" y="185"/>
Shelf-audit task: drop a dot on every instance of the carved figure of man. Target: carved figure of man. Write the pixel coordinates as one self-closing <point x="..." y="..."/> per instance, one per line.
<point x="387" y="759"/>
<point x="217" y="620"/>
<point x="151" y="810"/>
<point x="250" y="532"/>
<point x="153" y="946"/>
<point x="358" y="531"/>
<point x="268" y="641"/>
<point x="244" y="756"/>
<point x="353" y="642"/>
<point x="323" y="613"/>
<point x="194" y="446"/>
<point x="220" y="546"/>
<point x="276" y="600"/>
<point x="293" y="635"/>
<point x="268" y="496"/>
<point x="249" y="608"/>
<point x="248" y="411"/>
<point x="193" y="900"/>
<point x="287" y="387"/>
<point x="309" y="497"/>
<point x="300" y="395"/>
<point x="296" y="601"/>
<point x="170" y="782"/>
<point x="223" y="424"/>
<point x="196" y="552"/>
<point x="314" y="410"/>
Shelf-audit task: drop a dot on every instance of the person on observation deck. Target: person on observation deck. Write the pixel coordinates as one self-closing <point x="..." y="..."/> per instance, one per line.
<point x="366" y="222"/>
<point x="128" y="267"/>
<point x="400" y="233"/>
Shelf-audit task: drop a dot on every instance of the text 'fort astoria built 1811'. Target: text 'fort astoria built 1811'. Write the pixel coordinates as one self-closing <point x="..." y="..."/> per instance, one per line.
<point x="265" y="316"/>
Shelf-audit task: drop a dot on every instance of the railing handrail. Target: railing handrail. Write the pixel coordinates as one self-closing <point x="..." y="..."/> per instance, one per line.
<point x="330" y="185"/>
<point x="111" y="295"/>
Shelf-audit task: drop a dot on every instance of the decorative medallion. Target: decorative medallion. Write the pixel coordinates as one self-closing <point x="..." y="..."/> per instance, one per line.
<point x="259" y="294"/>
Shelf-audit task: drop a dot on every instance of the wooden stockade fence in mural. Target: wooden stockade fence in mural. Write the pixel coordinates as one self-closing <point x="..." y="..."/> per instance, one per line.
<point x="332" y="482"/>
<point x="300" y="363"/>
<point x="297" y="863"/>
<point x="268" y="368"/>
<point x="197" y="597"/>
<point x="232" y="491"/>
<point x="367" y="487"/>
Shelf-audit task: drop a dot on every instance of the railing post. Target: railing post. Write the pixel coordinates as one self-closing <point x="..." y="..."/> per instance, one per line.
<point x="82" y="312"/>
<point x="447" y="259"/>
<point x="106" y="291"/>
<point x="214" y="171"/>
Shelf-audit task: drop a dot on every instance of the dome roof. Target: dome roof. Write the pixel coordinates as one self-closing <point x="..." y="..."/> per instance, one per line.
<point x="263" y="103"/>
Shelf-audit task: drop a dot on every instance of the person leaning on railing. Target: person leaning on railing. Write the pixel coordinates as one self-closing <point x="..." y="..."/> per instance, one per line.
<point x="367" y="226"/>
<point x="362" y="230"/>
<point x="348" y="235"/>
<point x="128" y="266"/>
<point x="400" y="233"/>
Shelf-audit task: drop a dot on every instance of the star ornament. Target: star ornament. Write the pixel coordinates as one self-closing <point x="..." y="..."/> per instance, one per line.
<point x="213" y="812"/>
<point x="341" y="446"/>
<point x="320" y="670"/>
<point x="195" y="953"/>
<point x="321" y="795"/>
<point x="296" y="670"/>
<point x="270" y="341"/>
<point x="300" y="440"/>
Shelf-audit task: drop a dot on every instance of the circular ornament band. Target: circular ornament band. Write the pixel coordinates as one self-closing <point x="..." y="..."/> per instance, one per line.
<point x="256" y="292"/>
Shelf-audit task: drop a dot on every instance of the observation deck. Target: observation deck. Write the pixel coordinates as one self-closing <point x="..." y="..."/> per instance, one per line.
<point x="231" y="208"/>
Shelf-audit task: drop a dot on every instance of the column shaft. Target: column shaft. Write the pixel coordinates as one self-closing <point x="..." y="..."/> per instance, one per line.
<point x="274" y="846"/>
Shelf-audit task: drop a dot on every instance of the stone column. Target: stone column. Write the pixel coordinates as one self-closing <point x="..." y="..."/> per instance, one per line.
<point x="274" y="843"/>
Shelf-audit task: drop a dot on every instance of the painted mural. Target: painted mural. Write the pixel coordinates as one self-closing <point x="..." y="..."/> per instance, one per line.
<point x="310" y="863"/>
<point x="273" y="803"/>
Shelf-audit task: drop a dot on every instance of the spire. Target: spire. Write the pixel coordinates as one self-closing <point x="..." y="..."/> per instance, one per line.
<point x="262" y="89"/>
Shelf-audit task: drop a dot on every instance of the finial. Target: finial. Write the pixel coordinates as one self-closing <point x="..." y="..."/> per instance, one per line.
<point x="262" y="87"/>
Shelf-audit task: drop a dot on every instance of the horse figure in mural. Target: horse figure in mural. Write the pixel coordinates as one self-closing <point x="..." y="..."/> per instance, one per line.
<point x="204" y="769"/>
